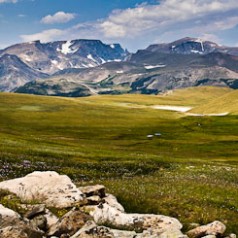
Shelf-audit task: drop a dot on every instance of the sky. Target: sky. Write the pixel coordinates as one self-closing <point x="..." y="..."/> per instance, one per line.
<point x="134" y="24"/>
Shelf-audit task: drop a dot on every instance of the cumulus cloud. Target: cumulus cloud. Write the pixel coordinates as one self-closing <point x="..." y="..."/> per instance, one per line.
<point x="168" y="13"/>
<point x="168" y="20"/>
<point x="58" y="17"/>
<point x="44" y="36"/>
<point x="8" y="1"/>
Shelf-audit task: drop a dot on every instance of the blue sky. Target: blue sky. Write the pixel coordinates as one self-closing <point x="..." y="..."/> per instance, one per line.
<point x="133" y="23"/>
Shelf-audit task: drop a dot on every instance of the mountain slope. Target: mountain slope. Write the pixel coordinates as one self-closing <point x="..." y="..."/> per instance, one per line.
<point x="117" y="78"/>
<point x="54" y="56"/>
<point x="86" y="67"/>
<point x="14" y="73"/>
<point x="190" y="45"/>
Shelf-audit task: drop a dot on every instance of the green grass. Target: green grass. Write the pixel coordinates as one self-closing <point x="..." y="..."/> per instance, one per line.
<point x="189" y="172"/>
<point x="226" y="103"/>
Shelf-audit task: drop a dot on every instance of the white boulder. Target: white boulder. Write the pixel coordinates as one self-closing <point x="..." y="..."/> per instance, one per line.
<point x="215" y="228"/>
<point x="8" y="217"/>
<point x="105" y="214"/>
<point x="49" y="188"/>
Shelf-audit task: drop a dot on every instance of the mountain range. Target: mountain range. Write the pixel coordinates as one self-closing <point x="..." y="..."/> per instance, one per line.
<point x="87" y="67"/>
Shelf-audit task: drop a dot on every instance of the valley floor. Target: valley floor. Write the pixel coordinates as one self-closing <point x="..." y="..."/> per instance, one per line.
<point x="187" y="167"/>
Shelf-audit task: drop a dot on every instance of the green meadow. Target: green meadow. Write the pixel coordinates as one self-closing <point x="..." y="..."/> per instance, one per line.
<point x="189" y="170"/>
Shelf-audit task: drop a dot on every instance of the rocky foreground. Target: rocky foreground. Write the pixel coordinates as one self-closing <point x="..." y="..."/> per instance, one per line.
<point x="52" y="206"/>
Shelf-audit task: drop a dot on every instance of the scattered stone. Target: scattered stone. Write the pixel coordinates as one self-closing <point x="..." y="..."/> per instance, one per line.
<point x="70" y="223"/>
<point x="12" y="232"/>
<point x="50" y="218"/>
<point x="94" y="200"/>
<point x="35" y="210"/>
<point x="231" y="236"/>
<point x="158" y="134"/>
<point x="39" y="222"/>
<point x="209" y="236"/>
<point x="214" y="228"/>
<point x="96" y="190"/>
<point x="91" y="230"/>
<point x="124" y="234"/>
<point x="172" y="234"/>
<point x="12" y="225"/>
<point x="105" y="214"/>
<point x="155" y="234"/>
<point x="88" y="226"/>
<point x="8" y="217"/>
<point x="57" y="191"/>
<point x="112" y="201"/>
<point x="49" y="188"/>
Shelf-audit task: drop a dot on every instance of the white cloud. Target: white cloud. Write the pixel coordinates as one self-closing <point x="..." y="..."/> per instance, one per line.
<point x="144" y="18"/>
<point x="168" y="20"/>
<point x="58" y="17"/>
<point x="210" y="37"/>
<point x="44" y="36"/>
<point x="8" y="1"/>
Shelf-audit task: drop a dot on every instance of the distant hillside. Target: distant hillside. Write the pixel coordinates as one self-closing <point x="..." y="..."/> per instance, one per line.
<point x="225" y="103"/>
<point x="89" y="67"/>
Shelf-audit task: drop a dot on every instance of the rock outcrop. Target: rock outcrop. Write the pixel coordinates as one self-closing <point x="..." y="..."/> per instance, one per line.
<point x="49" y="188"/>
<point x="86" y="212"/>
<point x="215" y="228"/>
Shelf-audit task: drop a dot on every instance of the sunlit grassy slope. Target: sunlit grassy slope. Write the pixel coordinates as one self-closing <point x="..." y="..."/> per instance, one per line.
<point x="226" y="103"/>
<point x="188" y="96"/>
<point x="190" y="171"/>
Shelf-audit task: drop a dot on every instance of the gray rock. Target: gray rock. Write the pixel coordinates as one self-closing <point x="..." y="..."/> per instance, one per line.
<point x="39" y="222"/>
<point x="173" y="233"/>
<point x="50" y="218"/>
<point x="94" y="200"/>
<point x="214" y="228"/>
<point x="88" y="226"/>
<point x="48" y="187"/>
<point x="70" y="223"/>
<point x="231" y="236"/>
<point x="91" y="230"/>
<point x="105" y="214"/>
<point x="12" y="232"/>
<point x="12" y="225"/>
<point x="112" y="201"/>
<point x="8" y="217"/>
<point x="209" y="236"/>
<point x="124" y="234"/>
<point x="153" y="233"/>
<point x="35" y="211"/>
<point x="96" y="190"/>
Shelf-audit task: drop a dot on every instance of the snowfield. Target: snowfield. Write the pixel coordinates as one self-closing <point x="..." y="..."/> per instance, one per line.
<point x="209" y="115"/>
<point x="172" y="108"/>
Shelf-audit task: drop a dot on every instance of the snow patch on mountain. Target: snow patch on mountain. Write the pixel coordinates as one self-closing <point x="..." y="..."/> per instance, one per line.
<point x="89" y="56"/>
<point x="172" y="108"/>
<point x="154" y="66"/>
<point x="66" y="48"/>
<point x="201" y="42"/>
<point x="102" y="61"/>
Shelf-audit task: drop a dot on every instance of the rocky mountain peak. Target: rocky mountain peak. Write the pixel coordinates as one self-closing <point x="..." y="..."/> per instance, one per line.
<point x="185" y="45"/>
<point x="59" y="55"/>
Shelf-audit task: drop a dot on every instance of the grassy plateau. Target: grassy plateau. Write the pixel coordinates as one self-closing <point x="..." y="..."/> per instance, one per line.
<point x="189" y="170"/>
